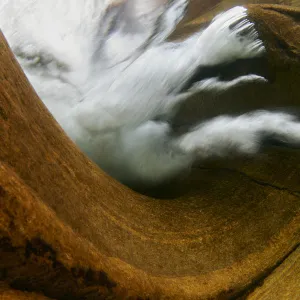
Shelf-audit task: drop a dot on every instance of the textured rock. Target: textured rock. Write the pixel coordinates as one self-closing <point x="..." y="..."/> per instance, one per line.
<point x="69" y="231"/>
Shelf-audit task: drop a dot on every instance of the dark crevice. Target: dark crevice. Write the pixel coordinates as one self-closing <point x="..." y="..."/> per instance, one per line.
<point x="3" y="114"/>
<point x="228" y="71"/>
<point x="257" y="181"/>
<point x="289" y="12"/>
<point x="259" y="281"/>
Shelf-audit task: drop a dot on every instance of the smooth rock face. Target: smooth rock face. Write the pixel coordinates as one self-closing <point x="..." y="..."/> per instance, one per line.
<point x="69" y="230"/>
